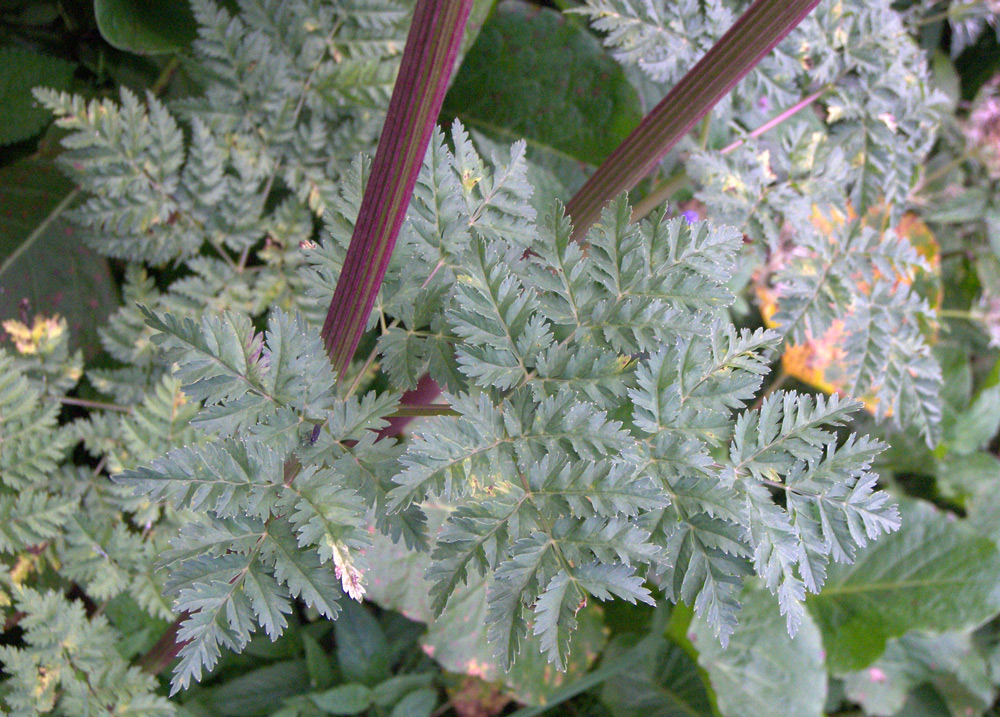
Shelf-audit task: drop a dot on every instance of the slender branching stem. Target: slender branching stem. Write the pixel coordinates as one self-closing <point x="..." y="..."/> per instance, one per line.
<point x="166" y="74"/>
<point x="940" y="172"/>
<point x="778" y="119"/>
<point x="416" y="410"/>
<point x="661" y="193"/>
<point x="86" y="403"/>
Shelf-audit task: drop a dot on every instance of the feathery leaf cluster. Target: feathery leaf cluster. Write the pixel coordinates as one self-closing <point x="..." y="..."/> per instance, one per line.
<point x="272" y="507"/>
<point x="880" y="117"/>
<point x="600" y="384"/>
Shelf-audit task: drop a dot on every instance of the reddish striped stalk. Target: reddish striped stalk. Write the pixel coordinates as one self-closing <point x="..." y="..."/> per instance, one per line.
<point x="428" y="60"/>
<point x="756" y="33"/>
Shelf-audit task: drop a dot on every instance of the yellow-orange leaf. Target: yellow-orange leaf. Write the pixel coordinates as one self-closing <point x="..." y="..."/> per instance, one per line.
<point x="821" y="361"/>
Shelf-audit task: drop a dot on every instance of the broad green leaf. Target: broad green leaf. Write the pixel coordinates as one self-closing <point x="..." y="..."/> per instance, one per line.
<point x="32" y="12"/>
<point x="419" y="703"/>
<point x="956" y="373"/>
<point x="992" y="218"/>
<point x="318" y="664"/>
<point x="395" y="689"/>
<point x="970" y="425"/>
<point x="968" y="480"/>
<point x="534" y="75"/>
<point x="764" y="671"/>
<point x="950" y="662"/>
<point x="43" y="258"/>
<point x="481" y="10"/>
<point x="935" y="573"/>
<point x="665" y="683"/>
<point x="924" y="701"/>
<point x="349" y="699"/>
<point x="138" y="629"/>
<point x="146" y="27"/>
<point x="457" y="641"/>
<point x="973" y="428"/>
<point x="968" y="206"/>
<point x="22" y="71"/>
<point x="394" y="580"/>
<point x="984" y="509"/>
<point x="257" y="692"/>
<point x="362" y="651"/>
<point x="946" y="78"/>
<point x="262" y="648"/>
<point x="402" y="634"/>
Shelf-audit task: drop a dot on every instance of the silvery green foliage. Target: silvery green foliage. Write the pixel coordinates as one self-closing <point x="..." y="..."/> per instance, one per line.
<point x="880" y="112"/>
<point x="57" y="514"/>
<point x="880" y="119"/>
<point x="453" y="196"/>
<point x="282" y="492"/>
<point x="603" y="437"/>
<point x="596" y="396"/>
<point x="46" y="500"/>
<point x="282" y="82"/>
<point x="599" y="389"/>
<point x="824" y="281"/>
<point x="227" y="188"/>
<point x="32" y="445"/>
<point x="663" y="39"/>
<point x="70" y="664"/>
<point x="291" y="92"/>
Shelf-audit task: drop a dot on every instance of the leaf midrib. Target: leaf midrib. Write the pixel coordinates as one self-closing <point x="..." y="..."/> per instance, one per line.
<point x="829" y="590"/>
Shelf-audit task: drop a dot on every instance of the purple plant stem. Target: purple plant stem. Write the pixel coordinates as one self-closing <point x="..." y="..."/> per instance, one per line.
<point x="752" y="36"/>
<point x="160" y="655"/>
<point x="706" y="83"/>
<point x="428" y="59"/>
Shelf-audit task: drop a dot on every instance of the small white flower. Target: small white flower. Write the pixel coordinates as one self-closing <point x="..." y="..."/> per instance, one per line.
<point x="890" y="121"/>
<point x="349" y="576"/>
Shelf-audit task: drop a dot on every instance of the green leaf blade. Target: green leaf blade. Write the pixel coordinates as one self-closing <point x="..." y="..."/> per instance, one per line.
<point x="932" y="574"/>
<point x="506" y="88"/>
<point x="763" y="670"/>
<point x="23" y="70"/>
<point x="146" y="27"/>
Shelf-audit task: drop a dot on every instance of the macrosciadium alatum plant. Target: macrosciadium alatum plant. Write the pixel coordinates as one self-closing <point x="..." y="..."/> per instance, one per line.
<point x="598" y="434"/>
